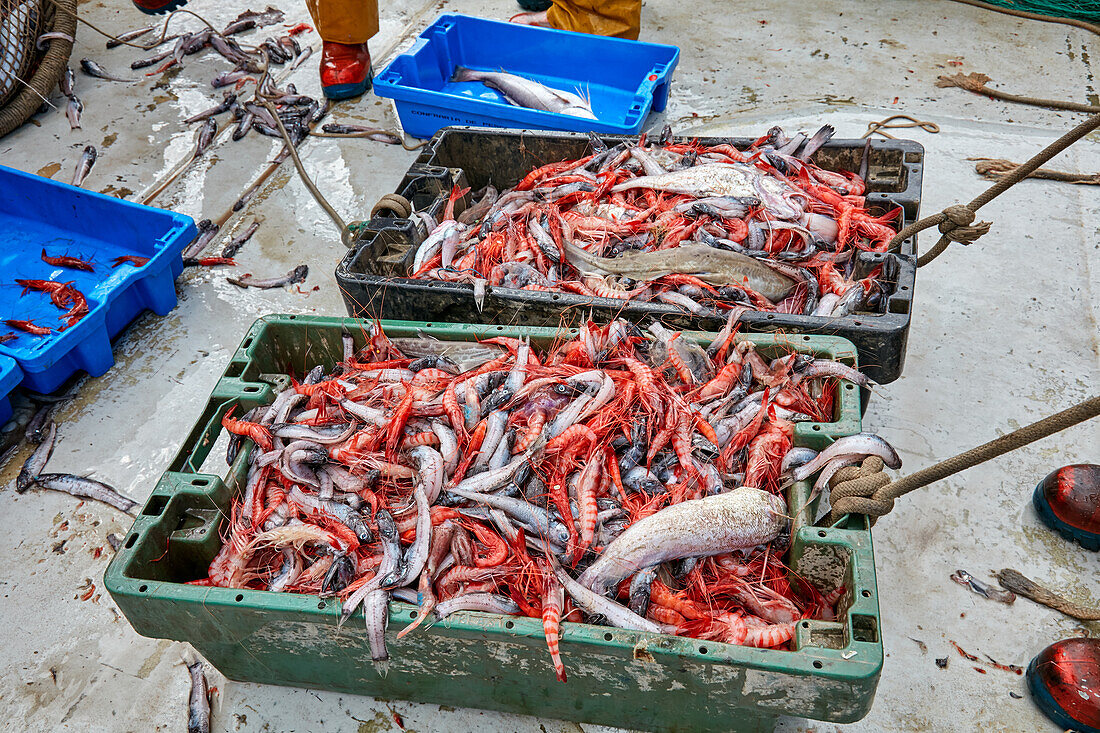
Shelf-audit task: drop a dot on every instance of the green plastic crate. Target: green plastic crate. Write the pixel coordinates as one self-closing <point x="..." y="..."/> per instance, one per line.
<point x="616" y="677"/>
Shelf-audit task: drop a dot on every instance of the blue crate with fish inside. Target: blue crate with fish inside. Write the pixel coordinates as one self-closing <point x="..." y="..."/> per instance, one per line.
<point x="77" y="267"/>
<point x="471" y="71"/>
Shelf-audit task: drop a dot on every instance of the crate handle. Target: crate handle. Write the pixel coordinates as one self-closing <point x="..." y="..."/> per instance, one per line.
<point x="196" y="447"/>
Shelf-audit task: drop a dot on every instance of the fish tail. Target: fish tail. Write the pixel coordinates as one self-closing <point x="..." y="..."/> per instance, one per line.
<point x="463" y="74"/>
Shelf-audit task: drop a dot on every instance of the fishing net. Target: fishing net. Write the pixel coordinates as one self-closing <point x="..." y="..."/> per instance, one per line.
<point x="1088" y="10"/>
<point x="28" y="73"/>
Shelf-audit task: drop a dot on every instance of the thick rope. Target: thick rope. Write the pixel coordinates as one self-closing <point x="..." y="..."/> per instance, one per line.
<point x="869" y="494"/>
<point x="20" y="109"/>
<point x="956" y="223"/>
<point x="1021" y="585"/>
<point x="993" y="168"/>
<point x="976" y="82"/>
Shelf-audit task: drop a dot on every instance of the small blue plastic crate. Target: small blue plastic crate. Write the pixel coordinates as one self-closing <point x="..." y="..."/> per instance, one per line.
<point x="37" y="213"/>
<point x="10" y="376"/>
<point x="624" y="79"/>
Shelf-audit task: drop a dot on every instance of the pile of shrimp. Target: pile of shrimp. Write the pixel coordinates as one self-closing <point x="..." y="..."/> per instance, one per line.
<point x="464" y="476"/>
<point x="804" y="222"/>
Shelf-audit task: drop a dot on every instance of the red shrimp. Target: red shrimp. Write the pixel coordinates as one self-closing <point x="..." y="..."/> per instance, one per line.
<point x="553" y="599"/>
<point x="425" y="438"/>
<point x="29" y="327"/>
<point x="257" y="433"/>
<point x="73" y="263"/>
<point x="534" y="428"/>
<point x="766" y="451"/>
<point x="763" y="635"/>
<point x="494" y="543"/>
<point x="587" y="486"/>
<point x="721" y="382"/>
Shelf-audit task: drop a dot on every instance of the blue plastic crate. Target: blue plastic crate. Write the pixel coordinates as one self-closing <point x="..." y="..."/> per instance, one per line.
<point x="37" y="213"/>
<point x="10" y="376"/>
<point x="623" y="78"/>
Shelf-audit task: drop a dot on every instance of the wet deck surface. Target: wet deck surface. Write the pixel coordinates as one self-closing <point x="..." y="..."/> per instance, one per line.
<point x="1003" y="333"/>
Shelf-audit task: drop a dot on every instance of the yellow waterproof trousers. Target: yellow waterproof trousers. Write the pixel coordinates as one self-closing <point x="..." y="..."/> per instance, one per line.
<point x="355" y="21"/>
<point x="619" y="18"/>
<point x="344" y="21"/>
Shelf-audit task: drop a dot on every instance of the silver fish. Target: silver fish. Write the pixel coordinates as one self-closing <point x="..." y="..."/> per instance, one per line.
<point x="73" y="112"/>
<point x="84" y="166"/>
<point x="66" y="82"/>
<point x="819" y="138"/>
<point x="984" y="590"/>
<point x="297" y="275"/>
<point x="739" y="519"/>
<point x="710" y="179"/>
<point x="91" y="68"/>
<point x="270" y="16"/>
<point x="860" y="444"/>
<point x="206" y="136"/>
<point x="86" y="488"/>
<point x="128" y="36"/>
<point x="217" y="109"/>
<point x="150" y="60"/>
<point x="198" y="705"/>
<point x="234" y="246"/>
<point x="484" y="602"/>
<point x="715" y="266"/>
<point x="528" y="93"/>
<point x="36" y="463"/>
<point x="595" y="603"/>
<point x="207" y="230"/>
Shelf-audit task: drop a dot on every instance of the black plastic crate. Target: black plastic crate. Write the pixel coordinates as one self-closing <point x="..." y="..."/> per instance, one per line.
<point x="373" y="275"/>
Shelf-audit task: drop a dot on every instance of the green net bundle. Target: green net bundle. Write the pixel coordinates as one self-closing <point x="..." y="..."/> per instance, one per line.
<point x="1080" y="9"/>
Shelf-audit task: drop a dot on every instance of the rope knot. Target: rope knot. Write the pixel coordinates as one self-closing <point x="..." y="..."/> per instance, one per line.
<point x="855" y="489"/>
<point x="957" y="226"/>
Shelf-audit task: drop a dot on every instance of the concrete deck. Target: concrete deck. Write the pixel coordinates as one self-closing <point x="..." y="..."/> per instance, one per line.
<point x="1003" y="333"/>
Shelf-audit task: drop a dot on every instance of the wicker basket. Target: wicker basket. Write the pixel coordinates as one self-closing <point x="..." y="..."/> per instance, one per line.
<point x="28" y="74"/>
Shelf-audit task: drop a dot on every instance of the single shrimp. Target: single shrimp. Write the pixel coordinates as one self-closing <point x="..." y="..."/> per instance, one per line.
<point x="73" y="263"/>
<point x="257" y="433"/>
<point x="553" y="600"/>
<point x="763" y="635"/>
<point x="29" y="327"/>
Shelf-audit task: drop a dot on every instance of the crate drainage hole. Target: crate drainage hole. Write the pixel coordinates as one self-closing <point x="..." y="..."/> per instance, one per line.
<point x="866" y="594"/>
<point x="412" y="614"/>
<point x="509" y="625"/>
<point x="239" y="598"/>
<point x="805" y="624"/>
<point x="130" y="541"/>
<point x="200" y="481"/>
<point x="702" y="650"/>
<point x="320" y="604"/>
<point x="821" y="533"/>
<point x="817" y="664"/>
<point x="143" y="588"/>
<point x="849" y="386"/>
<point x="156" y="505"/>
<point x="608" y="637"/>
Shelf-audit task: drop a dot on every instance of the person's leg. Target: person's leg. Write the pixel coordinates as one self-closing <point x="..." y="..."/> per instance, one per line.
<point x="344" y="27"/>
<point x="619" y="18"/>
